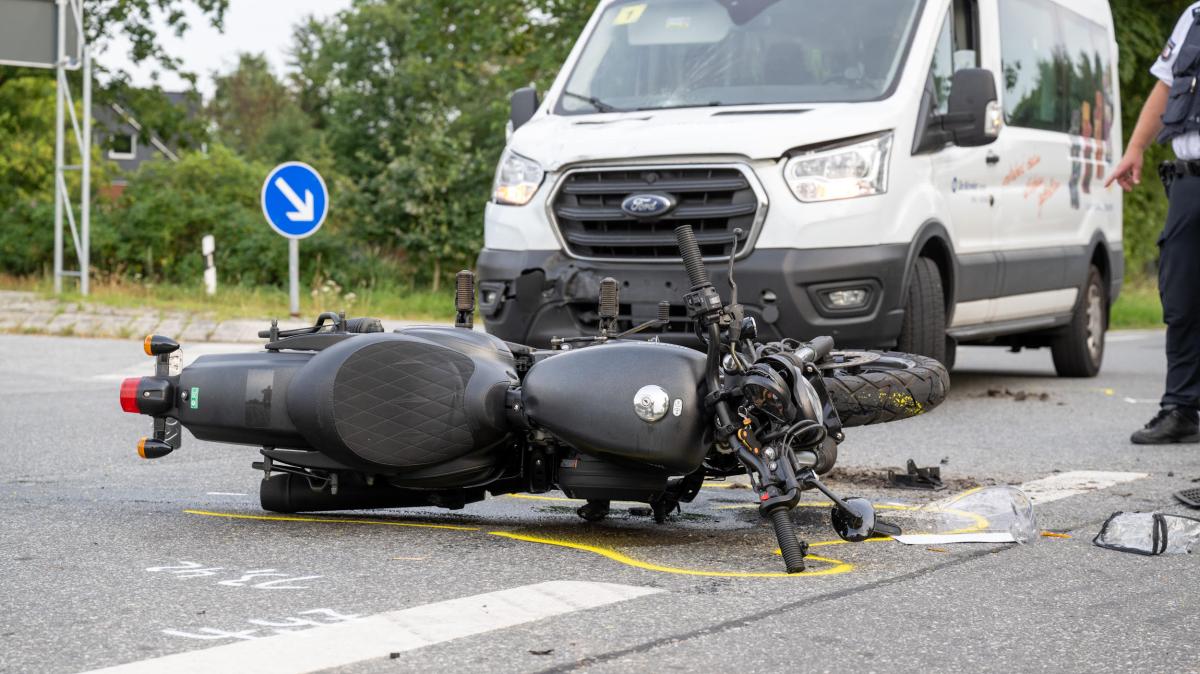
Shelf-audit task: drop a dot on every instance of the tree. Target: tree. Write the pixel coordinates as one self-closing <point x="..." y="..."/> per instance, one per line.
<point x="257" y="116"/>
<point x="413" y="95"/>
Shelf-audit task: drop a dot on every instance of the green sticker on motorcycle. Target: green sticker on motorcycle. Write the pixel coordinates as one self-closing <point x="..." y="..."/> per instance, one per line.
<point x="195" y="397"/>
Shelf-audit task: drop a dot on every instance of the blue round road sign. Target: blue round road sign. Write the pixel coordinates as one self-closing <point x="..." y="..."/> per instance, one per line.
<point x="294" y="200"/>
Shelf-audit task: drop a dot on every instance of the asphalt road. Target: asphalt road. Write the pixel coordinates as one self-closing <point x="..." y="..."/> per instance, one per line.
<point x="106" y="559"/>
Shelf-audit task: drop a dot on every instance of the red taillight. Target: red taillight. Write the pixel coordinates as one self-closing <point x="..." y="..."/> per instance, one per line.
<point x="129" y="395"/>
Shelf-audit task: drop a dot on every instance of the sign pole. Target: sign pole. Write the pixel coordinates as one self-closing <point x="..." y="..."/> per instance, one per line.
<point x="85" y="199"/>
<point x="59" y="182"/>
<point x="294" y="275"/>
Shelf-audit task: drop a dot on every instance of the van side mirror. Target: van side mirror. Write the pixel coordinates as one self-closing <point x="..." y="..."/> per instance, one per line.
<point x="974" y="116"/>
<point x="524" y="104"/>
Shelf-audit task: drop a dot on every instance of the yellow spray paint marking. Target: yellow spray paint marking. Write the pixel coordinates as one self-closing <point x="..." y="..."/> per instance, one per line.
<point x="836" y="566"/>
<point x="981" y="523"/>
<point x="328" y="520"/>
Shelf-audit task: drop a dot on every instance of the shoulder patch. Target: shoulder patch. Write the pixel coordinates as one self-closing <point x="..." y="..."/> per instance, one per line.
<point x="1168" y="50"/>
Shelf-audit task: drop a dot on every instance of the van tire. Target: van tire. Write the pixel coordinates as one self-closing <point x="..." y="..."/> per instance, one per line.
<point x="1079" y="350"/>
<point x="894" y="387"/>
<point x="923" y="331"/>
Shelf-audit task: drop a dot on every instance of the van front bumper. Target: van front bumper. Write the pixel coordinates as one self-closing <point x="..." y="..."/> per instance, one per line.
<point x="528" y="297"/>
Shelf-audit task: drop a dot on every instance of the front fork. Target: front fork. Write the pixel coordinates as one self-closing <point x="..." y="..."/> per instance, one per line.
<point x="778" y="480"/>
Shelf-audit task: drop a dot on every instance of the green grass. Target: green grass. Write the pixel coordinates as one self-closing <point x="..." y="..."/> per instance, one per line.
<point x="1137" y="307"/>
<point x="230" y="302"/>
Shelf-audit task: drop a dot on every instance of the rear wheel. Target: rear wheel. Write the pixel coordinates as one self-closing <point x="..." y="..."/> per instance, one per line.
<point x="873" y="387"/>
<point x="924" y="329"/>
<point x="1079" y="350"/>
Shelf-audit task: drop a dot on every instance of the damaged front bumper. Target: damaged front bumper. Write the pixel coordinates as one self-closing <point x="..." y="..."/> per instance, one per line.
<point x="531" y="296"/>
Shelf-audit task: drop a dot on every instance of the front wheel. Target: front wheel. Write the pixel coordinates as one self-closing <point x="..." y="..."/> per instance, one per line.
<point x="1079" y="350"/>
<point x="875" y="387"/>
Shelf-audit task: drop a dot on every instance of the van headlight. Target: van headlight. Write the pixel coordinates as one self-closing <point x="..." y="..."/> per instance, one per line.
<point x="517" y="179"/>
<point x="842" y="172"/>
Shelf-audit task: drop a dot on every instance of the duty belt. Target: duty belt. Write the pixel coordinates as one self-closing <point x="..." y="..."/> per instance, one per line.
<point x="1169" y="170"/>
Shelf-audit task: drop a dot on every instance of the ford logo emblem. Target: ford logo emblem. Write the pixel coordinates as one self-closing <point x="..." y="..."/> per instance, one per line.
<point x="647" y="205"/>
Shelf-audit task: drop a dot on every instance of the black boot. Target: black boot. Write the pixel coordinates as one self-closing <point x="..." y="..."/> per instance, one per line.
<point x="1171" y="426"/>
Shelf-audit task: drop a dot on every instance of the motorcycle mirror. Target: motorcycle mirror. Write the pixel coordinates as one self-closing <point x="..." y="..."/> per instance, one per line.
<point x="855" y="523"/>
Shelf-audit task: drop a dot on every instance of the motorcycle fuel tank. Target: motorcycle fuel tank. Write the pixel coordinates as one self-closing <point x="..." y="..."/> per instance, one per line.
<point x="637" y="401"/>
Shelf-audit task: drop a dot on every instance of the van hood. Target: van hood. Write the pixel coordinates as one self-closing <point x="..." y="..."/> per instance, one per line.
<point x="760" y="132"/>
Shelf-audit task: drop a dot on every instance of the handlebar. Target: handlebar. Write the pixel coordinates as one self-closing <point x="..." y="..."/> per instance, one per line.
<point x="693" y="260"/>
<point x="822" y="347"/>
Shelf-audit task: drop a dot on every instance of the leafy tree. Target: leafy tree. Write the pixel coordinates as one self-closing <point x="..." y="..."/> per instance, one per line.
<point x="256" y="115"/>
<point x="413" y="95"/>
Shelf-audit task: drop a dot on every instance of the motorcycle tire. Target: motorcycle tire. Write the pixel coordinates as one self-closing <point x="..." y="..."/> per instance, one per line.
<point x="889" y="387"/>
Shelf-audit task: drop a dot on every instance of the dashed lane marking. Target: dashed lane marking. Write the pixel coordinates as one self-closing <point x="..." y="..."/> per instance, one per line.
<point x="377" y="636"/>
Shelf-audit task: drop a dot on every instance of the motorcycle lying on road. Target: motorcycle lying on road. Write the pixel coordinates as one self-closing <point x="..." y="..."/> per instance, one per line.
<point x="350" y="417"/>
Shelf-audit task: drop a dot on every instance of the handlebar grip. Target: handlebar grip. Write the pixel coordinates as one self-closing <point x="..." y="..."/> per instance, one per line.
<point x="822" y="347"/>
<point x="693" y="260"/>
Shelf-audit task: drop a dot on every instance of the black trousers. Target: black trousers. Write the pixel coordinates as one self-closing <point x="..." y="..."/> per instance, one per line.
<point x="1179" y="287"/>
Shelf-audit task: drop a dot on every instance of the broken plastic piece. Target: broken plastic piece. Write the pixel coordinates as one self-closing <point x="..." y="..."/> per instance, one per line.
<point x="1189" y="497"/>
<point x="1000" y="514"/>
<point x="917" y="478"/>
<point x="1149" y="533"/>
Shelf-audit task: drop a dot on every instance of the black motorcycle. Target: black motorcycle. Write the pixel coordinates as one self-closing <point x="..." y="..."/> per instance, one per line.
<point x="351" y="417"/>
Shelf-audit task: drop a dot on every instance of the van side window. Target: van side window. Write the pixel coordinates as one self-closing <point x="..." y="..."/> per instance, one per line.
<point x="1090" y="78"/>
<point x="1034" y="63"/>
<point x="956" y="49"/>
<point x="943" y="66"/>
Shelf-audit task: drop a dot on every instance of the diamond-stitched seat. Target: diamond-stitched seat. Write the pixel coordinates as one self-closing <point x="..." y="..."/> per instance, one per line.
<point x="401" y="403"/>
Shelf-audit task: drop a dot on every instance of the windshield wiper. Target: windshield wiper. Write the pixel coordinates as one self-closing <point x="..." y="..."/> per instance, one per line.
<point x="600" y="105"/>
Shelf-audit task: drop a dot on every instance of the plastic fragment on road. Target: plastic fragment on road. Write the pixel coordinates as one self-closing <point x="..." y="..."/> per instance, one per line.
<point x="948" y="539"/>
<point x="917" y="478"/>
<point x="1000" y="514"/>
<point x="1149" y="534"/>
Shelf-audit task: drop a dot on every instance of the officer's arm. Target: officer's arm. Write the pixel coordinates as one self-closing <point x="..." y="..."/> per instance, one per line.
<point x="1149" y="124"/>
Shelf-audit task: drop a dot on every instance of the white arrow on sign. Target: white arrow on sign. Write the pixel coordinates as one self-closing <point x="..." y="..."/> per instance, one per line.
<point x="304" y="207"/>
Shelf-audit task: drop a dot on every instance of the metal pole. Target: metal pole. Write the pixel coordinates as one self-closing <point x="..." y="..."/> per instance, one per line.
<point x="294" y="275"/>
<point x="60" y="82"/>
<point x="85" y="199"/>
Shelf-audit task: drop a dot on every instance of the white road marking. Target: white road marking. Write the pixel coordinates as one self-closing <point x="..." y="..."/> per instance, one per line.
<point x="379" y="635"/>
<point x="1073" y="483"/>
<point x="1136" y="401"/>
<point x="226" y="493"/>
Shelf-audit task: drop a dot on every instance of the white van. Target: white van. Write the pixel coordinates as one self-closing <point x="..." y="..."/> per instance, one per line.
<point x="904" y="173"/>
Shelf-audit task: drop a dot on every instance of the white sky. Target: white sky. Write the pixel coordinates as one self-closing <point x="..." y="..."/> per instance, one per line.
<point x="250" y="26"/>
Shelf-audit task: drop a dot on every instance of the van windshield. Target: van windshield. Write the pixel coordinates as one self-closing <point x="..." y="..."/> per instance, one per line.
<point x="648" y="55"/>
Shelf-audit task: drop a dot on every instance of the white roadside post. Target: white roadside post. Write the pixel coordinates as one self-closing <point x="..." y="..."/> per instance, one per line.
<point x="294" y="216"/>
<point x="208" y="247"/>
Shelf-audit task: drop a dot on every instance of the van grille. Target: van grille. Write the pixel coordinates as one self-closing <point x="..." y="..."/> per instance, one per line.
<point x="713" y="200"/>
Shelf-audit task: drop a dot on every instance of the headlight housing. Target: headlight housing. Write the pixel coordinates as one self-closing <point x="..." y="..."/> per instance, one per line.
<point x="517" y="180"/>
<point x="841" y="172"/>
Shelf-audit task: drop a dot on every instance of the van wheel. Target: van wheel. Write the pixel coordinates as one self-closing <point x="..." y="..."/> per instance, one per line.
<point x="924" y="329"/>
<point x="1079" y="350"/>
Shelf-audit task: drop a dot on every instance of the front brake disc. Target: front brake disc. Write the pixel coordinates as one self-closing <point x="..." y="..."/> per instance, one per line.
<point x="847" y="360"/>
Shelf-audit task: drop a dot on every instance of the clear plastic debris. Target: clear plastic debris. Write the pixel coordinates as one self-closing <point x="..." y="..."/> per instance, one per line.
<point x="1000" y="514"/>
<point x="1150" y="534"/>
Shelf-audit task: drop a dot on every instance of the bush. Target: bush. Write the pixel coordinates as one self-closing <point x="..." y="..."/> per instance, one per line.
<point x="154" y="230"/>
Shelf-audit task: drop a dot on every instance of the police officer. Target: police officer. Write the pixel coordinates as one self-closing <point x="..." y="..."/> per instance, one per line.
<point x="1172" y="114"/>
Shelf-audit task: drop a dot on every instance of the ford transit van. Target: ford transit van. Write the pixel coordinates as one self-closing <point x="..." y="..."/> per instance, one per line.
<point x="914" y="174"/>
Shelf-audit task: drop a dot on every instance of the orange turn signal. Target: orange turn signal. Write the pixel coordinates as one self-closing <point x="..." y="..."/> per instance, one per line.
<point x="158" y="345"/>
<point x="153" y="449"/>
